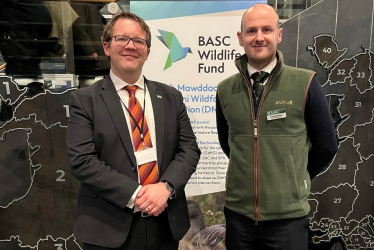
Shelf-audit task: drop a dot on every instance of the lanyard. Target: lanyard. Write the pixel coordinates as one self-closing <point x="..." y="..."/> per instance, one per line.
<point x="140" y="128"/>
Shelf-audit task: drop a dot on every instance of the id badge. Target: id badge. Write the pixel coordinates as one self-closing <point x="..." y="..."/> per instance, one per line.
<point x="146" y="155"/>
<point x="276" y="114"/>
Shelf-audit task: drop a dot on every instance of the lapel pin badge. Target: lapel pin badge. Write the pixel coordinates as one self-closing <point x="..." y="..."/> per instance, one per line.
<point x="159" y="96"/>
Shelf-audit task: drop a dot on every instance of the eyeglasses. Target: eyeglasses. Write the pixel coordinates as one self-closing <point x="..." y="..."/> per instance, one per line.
<point x="123" y="41"/>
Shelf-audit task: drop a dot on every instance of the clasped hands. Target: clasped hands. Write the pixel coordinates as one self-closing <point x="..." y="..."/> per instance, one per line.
<point x="152" y="198"/>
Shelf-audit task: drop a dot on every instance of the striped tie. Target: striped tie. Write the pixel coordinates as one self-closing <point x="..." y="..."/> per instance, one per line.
<point x="148" y="172"/>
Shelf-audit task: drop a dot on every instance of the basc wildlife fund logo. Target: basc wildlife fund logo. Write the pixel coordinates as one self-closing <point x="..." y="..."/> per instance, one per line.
<point x="176" y="51"/>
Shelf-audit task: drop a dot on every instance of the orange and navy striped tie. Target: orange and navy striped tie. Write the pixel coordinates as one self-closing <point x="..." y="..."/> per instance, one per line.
<point x="148" y="172"/>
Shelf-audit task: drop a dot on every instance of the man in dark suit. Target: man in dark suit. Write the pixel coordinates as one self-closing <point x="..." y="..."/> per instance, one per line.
<point x="132" y="167"/>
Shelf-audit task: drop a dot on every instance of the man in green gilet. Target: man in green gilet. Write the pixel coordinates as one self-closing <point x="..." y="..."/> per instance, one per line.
<point x="275" y="126"/>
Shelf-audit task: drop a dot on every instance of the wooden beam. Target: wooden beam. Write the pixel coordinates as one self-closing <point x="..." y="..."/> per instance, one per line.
<point x="2" y="66"/>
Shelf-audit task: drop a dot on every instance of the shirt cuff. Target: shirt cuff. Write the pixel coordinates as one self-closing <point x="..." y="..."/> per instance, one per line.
<point x="131" y="202"/>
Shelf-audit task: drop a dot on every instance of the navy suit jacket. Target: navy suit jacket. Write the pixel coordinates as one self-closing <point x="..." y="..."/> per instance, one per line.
<point x="102" y="159"/>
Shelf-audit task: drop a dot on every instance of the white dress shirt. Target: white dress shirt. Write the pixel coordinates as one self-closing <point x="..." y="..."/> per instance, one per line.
<point x="139" y="94"/>
<point x="267" y="69"/>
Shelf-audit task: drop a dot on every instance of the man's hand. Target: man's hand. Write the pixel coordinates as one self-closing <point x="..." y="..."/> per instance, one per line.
<point x="94" y="56"/>
<point x="152" y="198"/>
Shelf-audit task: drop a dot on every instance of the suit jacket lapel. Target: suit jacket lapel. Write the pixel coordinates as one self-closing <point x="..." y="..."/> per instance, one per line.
<point x="111" y="99"/>
<point x="158" y="114"/>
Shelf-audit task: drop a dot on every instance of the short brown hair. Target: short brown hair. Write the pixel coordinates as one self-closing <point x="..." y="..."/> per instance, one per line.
<point x="108" y="29"/>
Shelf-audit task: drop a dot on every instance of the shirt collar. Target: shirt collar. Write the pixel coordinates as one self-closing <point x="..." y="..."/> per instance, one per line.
<point x="267" y="69"/>
<point x="120" y="84"/>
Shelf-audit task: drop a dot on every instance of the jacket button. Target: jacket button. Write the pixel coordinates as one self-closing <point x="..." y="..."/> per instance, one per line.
<point x="133" y="169"/>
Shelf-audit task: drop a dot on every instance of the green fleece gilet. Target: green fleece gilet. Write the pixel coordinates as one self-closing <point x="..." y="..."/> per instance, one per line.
<point x="267" y="177"/>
